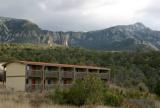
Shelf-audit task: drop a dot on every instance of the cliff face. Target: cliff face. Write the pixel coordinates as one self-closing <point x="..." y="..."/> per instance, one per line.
<point x="124" y="37"/>
<point x="23" y="31"/>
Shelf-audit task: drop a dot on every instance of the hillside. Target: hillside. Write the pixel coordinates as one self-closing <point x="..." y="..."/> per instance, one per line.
<point x="129" y="69"/>
<point x="124" y="37"/>
<point x="134" y="74"/>
<point x="118" y="38"/>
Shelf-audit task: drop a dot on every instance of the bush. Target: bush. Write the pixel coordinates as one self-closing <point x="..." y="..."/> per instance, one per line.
<point x="157" y="89"/>
<point x="133" y="93"/>
<point x="113" y="99"/>
<point x="140" y="103"/>
<point x="90" y="90"/>
<point x="59" y="96"/>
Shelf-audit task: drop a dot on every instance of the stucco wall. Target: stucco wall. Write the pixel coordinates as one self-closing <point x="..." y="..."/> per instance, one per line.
<point x="15" y="76"/>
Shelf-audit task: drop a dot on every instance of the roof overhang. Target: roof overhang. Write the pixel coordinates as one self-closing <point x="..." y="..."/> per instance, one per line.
<point x="54" y="64"/>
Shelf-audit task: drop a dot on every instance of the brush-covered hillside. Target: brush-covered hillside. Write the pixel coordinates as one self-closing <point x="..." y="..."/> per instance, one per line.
<point x="129" y="69"/>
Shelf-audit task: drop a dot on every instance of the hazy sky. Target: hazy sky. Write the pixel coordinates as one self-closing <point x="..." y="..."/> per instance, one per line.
<point x="83" y="15"/>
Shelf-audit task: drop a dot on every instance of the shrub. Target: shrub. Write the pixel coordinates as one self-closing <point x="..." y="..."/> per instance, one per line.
<point x="113" y="99"/>
<point x="157" y="89"/>
<point x="140" y="103"/>
<point x="133" y="93"/>
<point x="90" y="90"/>
<point x="36" y="101"/>
<point x="59" y="96"/>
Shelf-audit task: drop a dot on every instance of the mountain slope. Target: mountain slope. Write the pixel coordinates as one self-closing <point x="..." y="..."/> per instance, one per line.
<point x="127" y="37"/>
<point x="23" y="31"/>
<point x="123" y="37"/>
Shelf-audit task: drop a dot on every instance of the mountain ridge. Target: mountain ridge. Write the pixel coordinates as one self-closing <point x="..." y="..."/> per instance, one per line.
<point x="121" y="37"/>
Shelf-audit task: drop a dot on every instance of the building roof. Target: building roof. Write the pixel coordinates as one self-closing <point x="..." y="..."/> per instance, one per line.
<point x="55" y="64"/>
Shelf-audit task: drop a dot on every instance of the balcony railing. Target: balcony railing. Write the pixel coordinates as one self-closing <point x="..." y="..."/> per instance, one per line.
<point x="34" y="73"/>
<point x="101" y="75"/>
<point x="51" y="74"/>
<point x="33" y="87"/>
<point x="104" y="76"/>
<point x="94" y="73"/>
<point x="50" y="86"/>
<point x="80" y="74"/>
<point x="67" y="85"/>
<point x="67" y="74"/>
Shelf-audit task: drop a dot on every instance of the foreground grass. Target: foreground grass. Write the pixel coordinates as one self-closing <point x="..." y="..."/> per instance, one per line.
<point x="11" y="99"/>
<point x="10" y="104"/>
<point x="20" y="101"/>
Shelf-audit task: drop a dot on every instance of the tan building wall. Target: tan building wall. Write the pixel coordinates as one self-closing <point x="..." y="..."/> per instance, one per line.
<point x="15" y="76"/>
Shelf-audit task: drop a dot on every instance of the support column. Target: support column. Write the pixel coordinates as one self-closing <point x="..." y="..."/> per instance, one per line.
<point x="87" y="71"/>
<point x="59" y="76"/>
<point x="98" y="71"/>
<point x="109" y="73"/>
<point x="74" y="77"/>
<point x="43" y="79"/>
<point x="26" y="77"/>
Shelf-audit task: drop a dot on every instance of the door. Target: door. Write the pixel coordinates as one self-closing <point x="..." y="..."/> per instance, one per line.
<point x="33" y="83"/>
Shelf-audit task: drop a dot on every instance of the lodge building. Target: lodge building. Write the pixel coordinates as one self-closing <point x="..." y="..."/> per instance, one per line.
<point x="39" y="76"/>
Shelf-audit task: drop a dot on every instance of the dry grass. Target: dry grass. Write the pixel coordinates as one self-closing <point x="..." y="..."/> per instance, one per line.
<point x="11" y="99"/>
<point x="12" y="104"/>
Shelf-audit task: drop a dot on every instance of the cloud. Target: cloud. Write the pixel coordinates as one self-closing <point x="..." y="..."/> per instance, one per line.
<point x="150" y="14"/>
<point x="153" y="9"/>
<point x="82" y="15"/>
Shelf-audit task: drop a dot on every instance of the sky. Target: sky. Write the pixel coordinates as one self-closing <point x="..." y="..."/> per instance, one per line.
<point x="83" y="15"/>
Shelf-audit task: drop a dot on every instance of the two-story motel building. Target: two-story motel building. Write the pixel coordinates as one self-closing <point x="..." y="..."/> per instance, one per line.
<point x="40" y="76"/>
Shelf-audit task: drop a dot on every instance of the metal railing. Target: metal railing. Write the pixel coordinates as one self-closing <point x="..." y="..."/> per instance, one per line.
<point x="50" y="86"/>
<point x="34" y="73"/>
<point x="67" y="85"/>
<point x="51" y="74"/>
<point x="67" y="74"/>
<point x="101" y="75"/>
<point x="80" y="74"/>
<point x="104" y="76"/>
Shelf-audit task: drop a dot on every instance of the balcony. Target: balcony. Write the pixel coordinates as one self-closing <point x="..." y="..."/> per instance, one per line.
<point x="67" y="74"/>
<point x="34" y="73"/>
<point x="50" y="86"/>
<point x="80" y="75"/>
<point x="51" y="74"/>
<point x="33" y="87"/>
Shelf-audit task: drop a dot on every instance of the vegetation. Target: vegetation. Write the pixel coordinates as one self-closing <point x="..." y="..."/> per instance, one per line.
<point x="113" y="99"/>
<point x="129" y="69"/>
<point x="89" y="91"/>
<point x="157" y="89"/>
